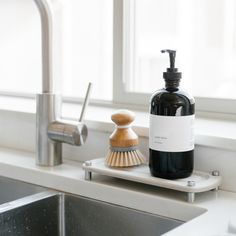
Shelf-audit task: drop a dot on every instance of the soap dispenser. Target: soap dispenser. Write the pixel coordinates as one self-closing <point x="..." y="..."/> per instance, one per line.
<point x="171" y="137"/>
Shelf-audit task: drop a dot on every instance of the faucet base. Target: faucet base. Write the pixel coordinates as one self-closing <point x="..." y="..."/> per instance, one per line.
<point x="48" y="152"/>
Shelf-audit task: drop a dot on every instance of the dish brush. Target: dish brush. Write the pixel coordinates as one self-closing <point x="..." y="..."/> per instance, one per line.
<point x="124" y="142"/>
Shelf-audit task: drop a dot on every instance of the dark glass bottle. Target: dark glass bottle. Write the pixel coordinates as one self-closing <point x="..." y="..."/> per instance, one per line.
<point x="171" y="145"/>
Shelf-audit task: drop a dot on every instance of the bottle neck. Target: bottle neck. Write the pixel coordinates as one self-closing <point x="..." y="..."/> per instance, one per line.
<point x="172" y="84"/>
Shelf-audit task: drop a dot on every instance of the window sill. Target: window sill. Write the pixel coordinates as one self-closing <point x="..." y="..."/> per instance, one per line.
<point x="217" y="133"/>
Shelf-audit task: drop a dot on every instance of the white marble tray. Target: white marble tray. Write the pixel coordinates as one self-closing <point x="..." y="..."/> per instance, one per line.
<point x="197" y="182"/>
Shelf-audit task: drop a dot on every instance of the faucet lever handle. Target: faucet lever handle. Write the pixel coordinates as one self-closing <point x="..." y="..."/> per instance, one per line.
<point x="86" y="101"/>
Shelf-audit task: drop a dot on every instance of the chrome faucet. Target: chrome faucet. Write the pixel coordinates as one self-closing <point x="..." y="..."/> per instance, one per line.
<point x="51" y="130"/>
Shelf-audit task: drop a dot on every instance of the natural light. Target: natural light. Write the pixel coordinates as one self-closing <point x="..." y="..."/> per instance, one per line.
<point x="202" y="31"/>
<point x="204" y="34"/>
<point x="87" y="54"/>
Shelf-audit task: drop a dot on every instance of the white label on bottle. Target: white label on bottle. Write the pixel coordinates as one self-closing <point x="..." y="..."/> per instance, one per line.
<point x="171" y="133"/>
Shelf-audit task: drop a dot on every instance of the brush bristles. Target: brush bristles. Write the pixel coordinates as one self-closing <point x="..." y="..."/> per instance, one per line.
<point x="124" y="159"/>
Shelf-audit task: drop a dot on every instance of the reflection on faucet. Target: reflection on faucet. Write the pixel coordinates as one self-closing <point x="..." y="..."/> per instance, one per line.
<point x="51" y="130"/>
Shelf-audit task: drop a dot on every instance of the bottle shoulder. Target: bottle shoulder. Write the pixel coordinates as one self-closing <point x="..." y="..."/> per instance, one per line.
<point x="172" y="103"/>
<point x="165" y="95"/>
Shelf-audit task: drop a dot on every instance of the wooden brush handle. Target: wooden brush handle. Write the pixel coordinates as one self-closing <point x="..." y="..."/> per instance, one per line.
<point x="123" y="117"/>
<point x="123" y="135"/>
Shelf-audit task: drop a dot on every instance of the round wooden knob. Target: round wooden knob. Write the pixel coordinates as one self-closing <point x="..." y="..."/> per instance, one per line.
<point x="123" y="117"/>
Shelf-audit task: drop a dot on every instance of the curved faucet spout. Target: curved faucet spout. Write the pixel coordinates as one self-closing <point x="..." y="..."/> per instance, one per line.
<point x="46" y="16"/>
<point x="49" y="142"/>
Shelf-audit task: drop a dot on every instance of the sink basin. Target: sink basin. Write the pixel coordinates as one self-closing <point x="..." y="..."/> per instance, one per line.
<point x="57" y="214"/>
<point x="89" y="217"/>
<point x="28" y="210"/>
<point x="35" y="215"/>
<point x="15" y="189"/>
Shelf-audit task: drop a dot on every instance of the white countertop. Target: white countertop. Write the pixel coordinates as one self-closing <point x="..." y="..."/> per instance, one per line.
<point x="214" y="209"/>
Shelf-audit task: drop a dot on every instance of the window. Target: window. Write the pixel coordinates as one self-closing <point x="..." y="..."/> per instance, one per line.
<point x="116" y="45"/>
<point x="83" y="55"/>
<point x="20" y="60"/>
<point x="204" y="34"/>
<point x="90" y="53"/>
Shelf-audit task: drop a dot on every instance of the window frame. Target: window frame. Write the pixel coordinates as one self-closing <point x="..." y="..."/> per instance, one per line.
<point x="122" y="55"/>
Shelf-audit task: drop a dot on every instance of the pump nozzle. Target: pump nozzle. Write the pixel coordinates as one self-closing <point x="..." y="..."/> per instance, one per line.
<point x="172" y="72"/>
<point x="172" y="54"/>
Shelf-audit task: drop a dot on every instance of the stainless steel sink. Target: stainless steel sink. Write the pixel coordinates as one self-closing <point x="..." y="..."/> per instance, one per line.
<point x="11" y="190"/>
<point x="88" y="217"/>
<point x="35" y="215"/>
<point x="58" y="214"/>
<point x="29" y="210"/>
